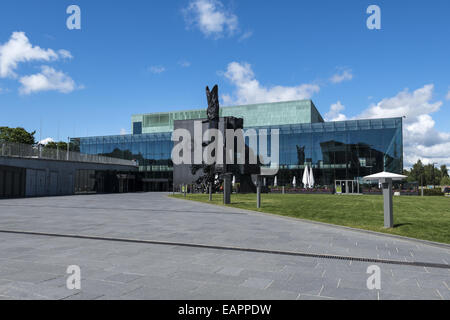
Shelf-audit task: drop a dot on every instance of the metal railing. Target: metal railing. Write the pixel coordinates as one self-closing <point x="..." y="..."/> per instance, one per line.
<point x="9" y="149"/>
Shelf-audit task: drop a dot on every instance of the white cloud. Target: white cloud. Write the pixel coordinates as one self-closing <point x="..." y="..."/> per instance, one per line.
<point x="434" y="154"/>
<point x="157" y="69"/>
<point x="447" y="97"/>
<point x="19" y="49"/>
<point x="249" y="90"/>
<point x="420" y="137"/>
<point x="345" y="75"/>
<point x="405" y="103"/>
<point x="46" y="141"/>
<point x="245" y="35"/>
<point x="184" y="63"/>
<point x="4" y="90"/>
<point x="123" y="132"/>
<point x="335" y="112"/>
<point x="47" y="80"/>
<point x="211" y="17"/>
<point x="65" y="54"/>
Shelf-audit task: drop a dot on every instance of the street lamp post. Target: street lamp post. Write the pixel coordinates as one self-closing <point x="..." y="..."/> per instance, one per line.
<point x="227" y="188"/>
<point x="421" y="184"/>
<point x="258" y="191"/>
<point x="386" y="179"/>
<point x="68" y="148"/>
<point x="434" y="176"/>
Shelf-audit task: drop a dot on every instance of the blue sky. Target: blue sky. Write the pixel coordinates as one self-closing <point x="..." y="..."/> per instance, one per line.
<point x="141" y="56"/>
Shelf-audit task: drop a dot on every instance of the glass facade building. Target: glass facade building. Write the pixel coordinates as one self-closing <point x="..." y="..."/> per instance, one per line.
<point x="255" y="115"/>
<point x="345" y="150"/>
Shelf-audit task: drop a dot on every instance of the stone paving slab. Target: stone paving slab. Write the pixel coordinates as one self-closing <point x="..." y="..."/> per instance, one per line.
<point x="34" y="267"/>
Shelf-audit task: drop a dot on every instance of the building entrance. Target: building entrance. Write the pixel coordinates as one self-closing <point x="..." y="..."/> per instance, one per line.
<point x="347" y="187"/>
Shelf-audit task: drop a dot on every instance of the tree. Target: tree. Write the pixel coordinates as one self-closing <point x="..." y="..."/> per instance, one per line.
<point x="432" y="175"/>
<point x="56" y="145"/>
<point x="444" y="171"/>
<point x="17" y="135"/>
<point x="61" y="145"/>
<point x="445" y="181"/>
<point x="428" y="174"/>
<point x="417" y="172"/>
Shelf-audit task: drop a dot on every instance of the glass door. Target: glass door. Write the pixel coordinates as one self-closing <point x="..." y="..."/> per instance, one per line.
<point x="346" y="187"/>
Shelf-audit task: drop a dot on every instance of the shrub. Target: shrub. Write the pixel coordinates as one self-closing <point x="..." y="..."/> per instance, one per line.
<point x="433" y="192"/>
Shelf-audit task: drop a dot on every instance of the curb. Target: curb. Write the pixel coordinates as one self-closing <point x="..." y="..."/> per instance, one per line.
<point x="376" y="233"/>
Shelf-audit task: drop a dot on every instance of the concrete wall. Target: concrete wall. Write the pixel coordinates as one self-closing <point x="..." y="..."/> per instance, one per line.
<point x="41" y="183"/>
<point x="46" y="177"/>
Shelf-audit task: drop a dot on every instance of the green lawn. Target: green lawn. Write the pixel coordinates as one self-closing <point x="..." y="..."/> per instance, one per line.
<point x="425" y="218"/>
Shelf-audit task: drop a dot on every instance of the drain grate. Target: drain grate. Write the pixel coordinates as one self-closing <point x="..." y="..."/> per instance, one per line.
<point x="228" y="248"/>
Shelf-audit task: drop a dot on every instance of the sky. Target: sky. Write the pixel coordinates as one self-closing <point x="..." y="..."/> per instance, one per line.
<point x="136" y="56"/>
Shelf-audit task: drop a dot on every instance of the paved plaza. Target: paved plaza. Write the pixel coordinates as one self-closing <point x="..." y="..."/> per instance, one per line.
<point x="34" y="266"/>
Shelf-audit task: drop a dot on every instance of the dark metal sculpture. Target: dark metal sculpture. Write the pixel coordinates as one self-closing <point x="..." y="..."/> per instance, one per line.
<point x="213" y="113"/>
<point x="213" y="104"/>
<point x="212" y="176"/>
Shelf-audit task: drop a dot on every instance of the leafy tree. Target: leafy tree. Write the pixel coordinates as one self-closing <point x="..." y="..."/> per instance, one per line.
<point x="444" y="171"/>
<point x="432" y="175"/>
<point x="17" y="135"/>
<point x="445" y="181"/>
<point x="61" y="145"/>
<point x="417" y="172"/>
<point x="427" y="174"/>
<point x="56" y="145"/>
